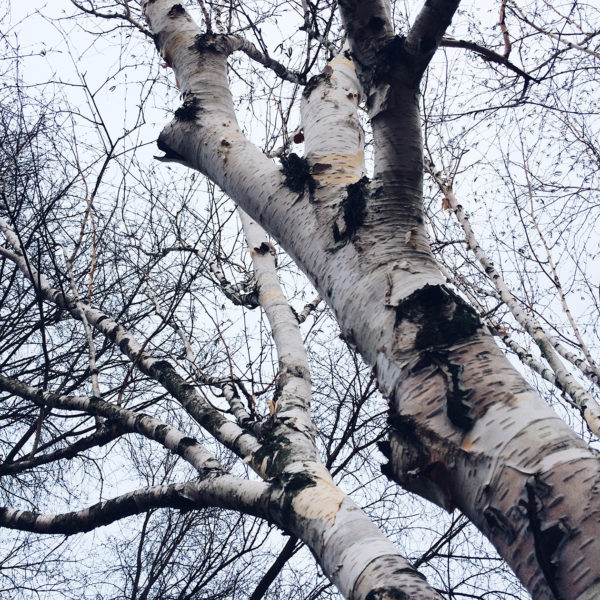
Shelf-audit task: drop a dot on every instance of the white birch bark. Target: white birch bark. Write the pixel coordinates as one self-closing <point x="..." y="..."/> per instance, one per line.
<point x="169" y="437"/>
<point x="468" y="431"/>
<point x="224" y="492"/>
<point x="304" y="499"/>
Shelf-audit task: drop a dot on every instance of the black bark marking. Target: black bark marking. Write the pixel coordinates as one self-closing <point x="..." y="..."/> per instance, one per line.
<point x="210" y="421"/>
<point x="211" y="41"/>
<point x="160" y="433"/>
<point x="388" y="471"/>
<point x="314" y="82"/>
<point x="427" y="44"/>
<point x="375" y="24"/>
<point x="458" y="407"/>
<point x="435" y="482"/>
<point x="184" y="444"/>
<point x="124" y="345"/>
<point x="385" y="448"/>
<point x="347" y="337"/>
<point x="415" y="469"/>
<point x="405" y="427"/>
<point x="354" y="208"/>
<point x="392" y="55"/>
<point x="176" y="10"/>
<point x="189" y="110"/>
<point x="265" y="248"/>
<point x="321" y="167"/>
<point x="548" y="537"/>
<point x="297" y="174"/>
<point x="170" y="154"/>
<point x="273" y="453"/>
<point x="296" y="482"/>
<point x="292" y="484"/>
<point x="497" y="521"/>
<point x="443" y="318"/>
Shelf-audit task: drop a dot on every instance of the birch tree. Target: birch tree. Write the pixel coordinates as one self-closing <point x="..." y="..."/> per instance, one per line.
<point x="464" y="429"/>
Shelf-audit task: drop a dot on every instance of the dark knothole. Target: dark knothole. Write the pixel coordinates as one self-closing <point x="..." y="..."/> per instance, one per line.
<point x="297" y="173"/>
<point x="188" y="111"/>
<point x="354" y="208"/>
<point x="176" y="10"/>
<point x="443" y="318"/>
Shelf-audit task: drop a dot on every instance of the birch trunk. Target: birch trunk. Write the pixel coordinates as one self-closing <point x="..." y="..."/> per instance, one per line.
<point x="468" y="431"/>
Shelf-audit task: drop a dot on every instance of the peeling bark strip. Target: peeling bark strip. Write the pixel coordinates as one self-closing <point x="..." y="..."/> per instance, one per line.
<point x="479" y="433"/>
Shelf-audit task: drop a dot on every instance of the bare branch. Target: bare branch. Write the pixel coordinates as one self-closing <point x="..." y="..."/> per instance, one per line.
<point x="224" y="491"/>
<point x="186" y="447"/>
<point x="488" y="55"/>
<point x="125" y="16"/>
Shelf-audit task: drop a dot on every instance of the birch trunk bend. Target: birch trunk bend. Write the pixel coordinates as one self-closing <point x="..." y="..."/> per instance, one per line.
<point x="466" y="430"/>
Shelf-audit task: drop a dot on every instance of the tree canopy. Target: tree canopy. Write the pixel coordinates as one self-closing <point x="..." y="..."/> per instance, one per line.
<point x="298" y="299"/>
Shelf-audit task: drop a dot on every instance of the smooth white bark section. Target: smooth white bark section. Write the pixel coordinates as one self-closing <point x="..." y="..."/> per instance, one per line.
<point x="334" y="139"/>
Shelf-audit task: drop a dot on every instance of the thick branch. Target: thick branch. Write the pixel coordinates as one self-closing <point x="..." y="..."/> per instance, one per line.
<point x="426" y="33"/>
<point x="226" y="492"/>
<point x="369" y="25"/>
